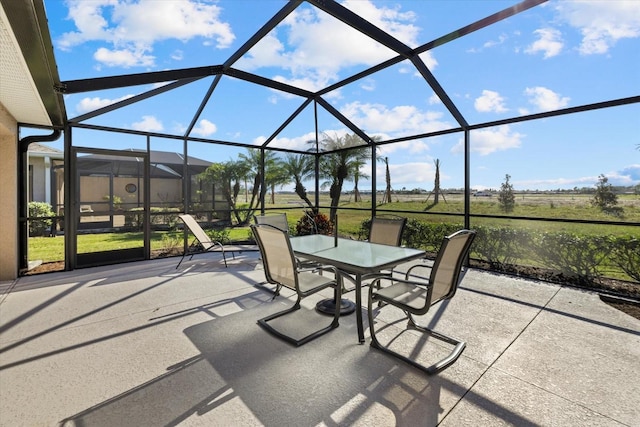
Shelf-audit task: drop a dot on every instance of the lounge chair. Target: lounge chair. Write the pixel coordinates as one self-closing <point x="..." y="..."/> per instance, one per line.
<point x="202" y="243"/>
<point x="414" y="295"/>
<point x="282" y="269"/>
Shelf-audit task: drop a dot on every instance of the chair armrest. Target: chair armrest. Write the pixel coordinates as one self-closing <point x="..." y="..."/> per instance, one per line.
<point x="377" y="282"/>
<point x="423" y="277"/>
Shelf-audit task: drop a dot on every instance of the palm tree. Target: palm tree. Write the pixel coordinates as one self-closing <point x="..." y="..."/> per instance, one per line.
<point x="300" y="167"/>
<point x="226" y="176"/>
<point x="341" y="165"/>
<point x="251" y="161"/>
<point x="357" y="174"/>
<point x="387" y="193"/>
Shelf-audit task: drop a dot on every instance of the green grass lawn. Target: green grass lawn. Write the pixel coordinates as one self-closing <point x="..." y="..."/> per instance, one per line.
<point x="51" y="249"/>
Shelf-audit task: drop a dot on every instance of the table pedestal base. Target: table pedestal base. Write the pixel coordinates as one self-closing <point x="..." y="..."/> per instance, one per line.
<point x="328" y="306"/>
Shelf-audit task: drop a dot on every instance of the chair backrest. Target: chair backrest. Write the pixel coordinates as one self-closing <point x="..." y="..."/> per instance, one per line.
<point x="445" y="273"/>
<point x="387" y="231"/>
<point x="277" y="220"/>
<point x="277" y="255"/>
<point x="196" y="230"/>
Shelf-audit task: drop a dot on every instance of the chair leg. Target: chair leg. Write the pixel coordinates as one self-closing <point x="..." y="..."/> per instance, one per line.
<point x="334" y="323"/>
<point x="435" y="368"/>
<point x="181" y="259"/>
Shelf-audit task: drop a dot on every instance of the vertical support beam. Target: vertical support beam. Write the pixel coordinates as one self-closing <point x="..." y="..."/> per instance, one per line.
<point x="317" y="156"/>
<point x="467" y="179"/>
<point x="70" y="207"/>
<point x="185" y="202"/>
<point x="373" y="181"/>
<point x="147" y="200"/>
<point x="263" y="191"/>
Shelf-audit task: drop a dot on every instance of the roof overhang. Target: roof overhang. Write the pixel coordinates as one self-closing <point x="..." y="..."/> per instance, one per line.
<point x="28" y="71"/>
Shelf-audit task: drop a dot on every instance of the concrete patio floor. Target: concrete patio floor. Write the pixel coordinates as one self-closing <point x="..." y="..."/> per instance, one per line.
<point x="144" y="344"/>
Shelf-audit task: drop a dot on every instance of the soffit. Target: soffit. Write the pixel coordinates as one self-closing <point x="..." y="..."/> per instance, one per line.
<point x="27" y="85"/>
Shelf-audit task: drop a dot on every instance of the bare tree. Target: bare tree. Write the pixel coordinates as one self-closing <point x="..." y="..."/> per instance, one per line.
<point x="437" y="192"/>
<point x="387" y="192"/>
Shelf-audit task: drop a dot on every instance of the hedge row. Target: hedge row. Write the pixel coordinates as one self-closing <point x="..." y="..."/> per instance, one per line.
<point x="585" y="257"/>
<point x="160" y="217"/>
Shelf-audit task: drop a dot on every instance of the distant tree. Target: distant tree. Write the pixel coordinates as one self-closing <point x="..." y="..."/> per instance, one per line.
<point x="506" y="197"/>
<point x="604" y="199"/>
<point x="299" y="167"/>
<point x="347" y="154"/>
<point x="437" y="191"/>
<point x="387" y="192"/>
<point x="227" y="176"/>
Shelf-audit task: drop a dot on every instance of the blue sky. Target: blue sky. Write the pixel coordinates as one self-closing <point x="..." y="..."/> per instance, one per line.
<point x="557" y="55"/>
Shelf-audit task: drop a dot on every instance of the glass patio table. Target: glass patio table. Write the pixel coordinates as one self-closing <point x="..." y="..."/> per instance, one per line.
<point x="355" y="259"/>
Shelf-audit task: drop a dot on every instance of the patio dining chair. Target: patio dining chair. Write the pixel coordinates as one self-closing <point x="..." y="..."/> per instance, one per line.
<point x="282" y="270"/>
<point x="387" y="230"/>
<point x="415" y="295"/>
<point x="201" y="243"/>
<point x="278" y="220"/>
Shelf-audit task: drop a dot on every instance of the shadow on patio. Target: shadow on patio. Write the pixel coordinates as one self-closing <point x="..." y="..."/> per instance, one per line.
<point x="146" y="344"/>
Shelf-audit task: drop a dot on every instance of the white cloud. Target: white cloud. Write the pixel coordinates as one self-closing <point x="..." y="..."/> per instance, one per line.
<point x="148" y="124"/>
<point x="433" y="99"/>
<point x="368" y="85"/>
<point x="501" y="39"/>
<point x="545" y="99"/>
<point x="490" y="101"/>
<point x="124" y="58"/>
<point x="406" y="173"/>
<point x="602" y="23"/>
<point x="133" y="27"/>
<point x="398" y="120"/>
<point x="90" y="104"/>
<point x="177" y="55"/>
<point x="205" y="128"/>
<point x="314" y="47"/>
<point x="630" y="175"/>
<point x="549" y="42"/>
<point x="298" y="143"/>
<point x="487" y="141"/>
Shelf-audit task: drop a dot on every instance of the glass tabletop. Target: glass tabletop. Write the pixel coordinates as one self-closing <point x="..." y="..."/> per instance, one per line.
<point x="352" y="255"/>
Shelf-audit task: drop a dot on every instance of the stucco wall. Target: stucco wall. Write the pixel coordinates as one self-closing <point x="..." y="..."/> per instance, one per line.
<point x="8" y="196"/>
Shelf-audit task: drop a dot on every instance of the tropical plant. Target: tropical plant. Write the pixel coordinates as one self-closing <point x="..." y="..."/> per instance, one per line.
<point x="314" y="223"/>
<point x="227" y="176"/>
<point x="300" y="167"/>
<point x="346" y="155"/>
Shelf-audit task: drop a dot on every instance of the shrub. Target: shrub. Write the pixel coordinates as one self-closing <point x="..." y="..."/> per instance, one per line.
<point x="38" y="227"/>
<point x="167" y="217"/>
<point x="219" y="235"/>
<point x="314" y="223"/>
<point x="572" y="254"/>
<point x="501" y="246"/>
<point x="626" y="255"/>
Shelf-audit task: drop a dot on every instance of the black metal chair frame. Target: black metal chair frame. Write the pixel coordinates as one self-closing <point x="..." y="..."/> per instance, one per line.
<point x="423" y="288"/>
<point x="285" y="263"/>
